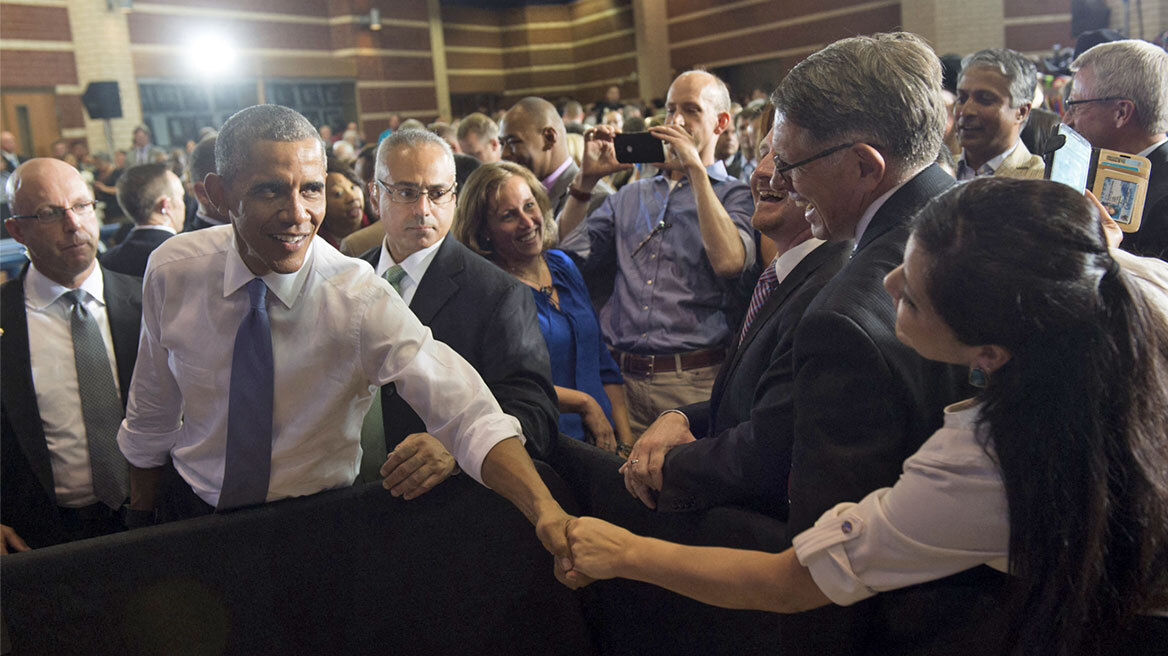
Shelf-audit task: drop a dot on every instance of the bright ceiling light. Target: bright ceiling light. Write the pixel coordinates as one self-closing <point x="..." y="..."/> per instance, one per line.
<point x="211" y="55"/>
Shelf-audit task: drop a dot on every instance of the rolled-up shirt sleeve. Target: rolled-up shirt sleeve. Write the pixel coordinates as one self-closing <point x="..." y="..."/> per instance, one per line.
<point x="153" y="420"/>
<point x="946" y="514"/>
<point x="443" y="388"/>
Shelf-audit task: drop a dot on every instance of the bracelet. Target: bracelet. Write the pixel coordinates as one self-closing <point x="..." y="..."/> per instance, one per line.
<point x="580" y="195"/>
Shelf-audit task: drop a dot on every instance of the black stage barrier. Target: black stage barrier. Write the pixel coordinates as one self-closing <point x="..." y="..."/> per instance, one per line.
<point x="354" y="571"/>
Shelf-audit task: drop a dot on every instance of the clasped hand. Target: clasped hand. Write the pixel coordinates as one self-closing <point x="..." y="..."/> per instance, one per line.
<point x="643" y="469"/>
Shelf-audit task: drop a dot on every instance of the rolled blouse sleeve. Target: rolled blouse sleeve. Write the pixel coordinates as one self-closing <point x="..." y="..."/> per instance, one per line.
<point x="946" y="514"/>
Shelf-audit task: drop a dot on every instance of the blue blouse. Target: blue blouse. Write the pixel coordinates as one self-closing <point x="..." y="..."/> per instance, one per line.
<point x="580" y="359"/>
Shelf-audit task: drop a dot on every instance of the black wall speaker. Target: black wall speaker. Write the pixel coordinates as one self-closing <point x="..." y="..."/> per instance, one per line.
<point x="101" y="100"/>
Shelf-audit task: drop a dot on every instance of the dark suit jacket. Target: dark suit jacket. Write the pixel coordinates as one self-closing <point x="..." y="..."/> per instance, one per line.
<point x="27" y="497"/>
<point x="129" y="257"/>
<point x="863" y="403"/>
<point x="748" y="422"/>
<point x="489" y="318"/>
<point x="1152" y="237"/>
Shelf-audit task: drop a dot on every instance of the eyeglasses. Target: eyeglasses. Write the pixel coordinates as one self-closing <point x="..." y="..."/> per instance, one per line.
<point x="782" y="168"/>
<point x="1070" y="104"/>
<point x="408" y="195"/>
<point x="54" y="214"/>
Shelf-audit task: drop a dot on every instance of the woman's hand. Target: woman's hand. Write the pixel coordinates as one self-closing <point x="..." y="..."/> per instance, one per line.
<point x="599" y="549"/>
<point x="1110" y="228"/>
<point x="597" y="425"/>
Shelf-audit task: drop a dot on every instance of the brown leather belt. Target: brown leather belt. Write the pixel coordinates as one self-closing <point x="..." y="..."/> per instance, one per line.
<point x="647" y="365"/>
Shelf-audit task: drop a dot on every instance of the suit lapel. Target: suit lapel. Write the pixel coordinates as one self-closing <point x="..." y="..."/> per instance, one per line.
<point x="125" y="318"/>
<point x="439" y="284"/>
<point x="18" y="391"/>
<point x="559" y="191"/>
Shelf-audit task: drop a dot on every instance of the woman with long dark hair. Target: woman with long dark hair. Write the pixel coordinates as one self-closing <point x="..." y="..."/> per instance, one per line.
<point x="1057" y="471"/>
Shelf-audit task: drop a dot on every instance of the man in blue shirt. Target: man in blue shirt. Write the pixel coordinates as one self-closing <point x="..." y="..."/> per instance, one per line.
<point x="681" y="245"/>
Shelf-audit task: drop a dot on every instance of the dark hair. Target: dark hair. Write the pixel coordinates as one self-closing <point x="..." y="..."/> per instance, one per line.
<point x="202" y="160"/>
<point x="139" y="189"/>
<point x="1077" y="416"/>
<point x="335" y="165"/>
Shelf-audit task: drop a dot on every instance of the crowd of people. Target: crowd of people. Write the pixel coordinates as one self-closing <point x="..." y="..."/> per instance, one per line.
<point x="853" y="305"/>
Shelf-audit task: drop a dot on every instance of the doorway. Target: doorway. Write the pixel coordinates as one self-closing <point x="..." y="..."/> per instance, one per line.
<point x="31" y="116"/>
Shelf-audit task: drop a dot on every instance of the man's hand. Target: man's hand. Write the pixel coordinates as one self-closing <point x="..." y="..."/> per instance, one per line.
<point x="597" y="425"/>
<point x="416" y="465"/>
<point x="642" y="471"/>
<point x="599" y="157"/>
<point x="682" y="152"/>
<point x="10" y="542"/>
<point x="598" y="548"/>
<point x="551" y="527"/>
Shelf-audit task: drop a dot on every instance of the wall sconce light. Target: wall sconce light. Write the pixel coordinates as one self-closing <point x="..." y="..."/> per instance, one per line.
<point x="126" y="6"/>
<point x="373" y="20"/>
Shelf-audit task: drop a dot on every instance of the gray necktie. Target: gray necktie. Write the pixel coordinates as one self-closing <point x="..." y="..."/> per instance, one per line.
<point x="100" y="406"/>
<point x="247" y="465"/>
<point x="394" y="275"/>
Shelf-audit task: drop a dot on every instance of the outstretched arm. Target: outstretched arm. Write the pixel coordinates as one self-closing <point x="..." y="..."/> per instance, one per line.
<point x="730" y="578"/>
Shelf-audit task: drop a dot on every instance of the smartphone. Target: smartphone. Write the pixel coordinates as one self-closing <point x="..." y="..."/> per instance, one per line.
<point x="638" y="147"/>
<point x="1118" y="180"/>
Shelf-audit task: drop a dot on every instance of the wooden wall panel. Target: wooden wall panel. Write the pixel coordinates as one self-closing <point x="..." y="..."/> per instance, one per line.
<point x="35" y="23"/>
<point x="541" y="57"/>
<point x="709" y="25"/>
<point x="163" y="28"/>
<point x="396" y="100"/>
<point x="1017" y="8"/>
<point x="1038" y="36"/>
<point x="618" y="44"/>
<point x="295" y="7"/>
<point x="476" y="38"/>
<point x="37" y="68"/>
<point x="383" y="67"/>
<point x="760" y="43"/>
<point x="475" y="60"/>
<point x="70" y="111"/>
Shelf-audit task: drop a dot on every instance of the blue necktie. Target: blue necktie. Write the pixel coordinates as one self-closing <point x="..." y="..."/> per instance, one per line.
<point x="248" y="466"/>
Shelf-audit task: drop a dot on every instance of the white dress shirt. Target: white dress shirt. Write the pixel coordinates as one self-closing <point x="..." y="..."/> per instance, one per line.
<point x="54" y="377"/>
<point x="786" y="262"/>
<point x="870" y="213"/>
<point x="947" y="513"/>
<point x="966" y="172"/>
<point x="415" y="265"/>
<point x="339" y="332"/>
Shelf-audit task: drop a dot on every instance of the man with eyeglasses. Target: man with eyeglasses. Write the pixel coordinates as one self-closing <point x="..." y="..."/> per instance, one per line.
<point x="485" y="315"/>
<point x="857" y="127"/>
<point x="1119" y="101"/>
<point x="70" y="337"/>
<point x="263" y="347"/>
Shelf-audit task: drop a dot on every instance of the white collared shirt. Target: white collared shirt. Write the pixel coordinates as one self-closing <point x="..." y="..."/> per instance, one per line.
<point x="54" y="378"/>
<point x="870" y="213"/>
<point x="786" y="262"/>
<point x="415" y="265"/>
<point x="1148" y="151"/>
<point x="339" y="333"/>
<point x="965" y="172"/>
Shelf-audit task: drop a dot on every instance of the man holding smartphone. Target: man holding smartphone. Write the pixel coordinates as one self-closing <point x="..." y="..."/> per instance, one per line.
<point x="682" y="248"/>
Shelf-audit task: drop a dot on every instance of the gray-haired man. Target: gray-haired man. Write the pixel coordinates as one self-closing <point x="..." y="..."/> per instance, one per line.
<point x="273" y="409"/>
<point x="994" y="92"/>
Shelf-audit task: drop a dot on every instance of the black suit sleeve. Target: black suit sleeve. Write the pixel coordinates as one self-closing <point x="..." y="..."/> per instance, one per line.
<point x="516" y="367"/>
<point x="850" y="419"/>
<point x="745" y="464"/>
<point x="698" y="415"/>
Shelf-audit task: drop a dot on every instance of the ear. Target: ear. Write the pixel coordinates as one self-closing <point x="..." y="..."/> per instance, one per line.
<point x="216" y="189"/>
<point x="990" y="358"/>
<point x="162" y="206"/>
<point x="871" y="164"/>
<point x="494" y="145"/>
<point x="374" y="198"/>
<point x="1125" y="113"/>
<point x="15" y="229"/>
<point x="200" y="192"/>
<point x="1023" y="111"/>
<point x="549" y="138"/>
<point x="724" y="122"/>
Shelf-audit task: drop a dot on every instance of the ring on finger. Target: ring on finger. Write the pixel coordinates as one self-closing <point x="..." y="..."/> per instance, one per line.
<point x="634" y="461"/>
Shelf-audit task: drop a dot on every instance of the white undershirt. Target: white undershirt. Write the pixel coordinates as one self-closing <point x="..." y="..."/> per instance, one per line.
<point x="54" y="378"/>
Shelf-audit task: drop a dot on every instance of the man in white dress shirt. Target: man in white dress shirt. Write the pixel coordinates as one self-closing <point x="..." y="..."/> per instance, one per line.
<point x="336" y="332"/>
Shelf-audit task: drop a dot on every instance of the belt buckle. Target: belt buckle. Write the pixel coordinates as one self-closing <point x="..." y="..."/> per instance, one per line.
<point x="652" y="361"/>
